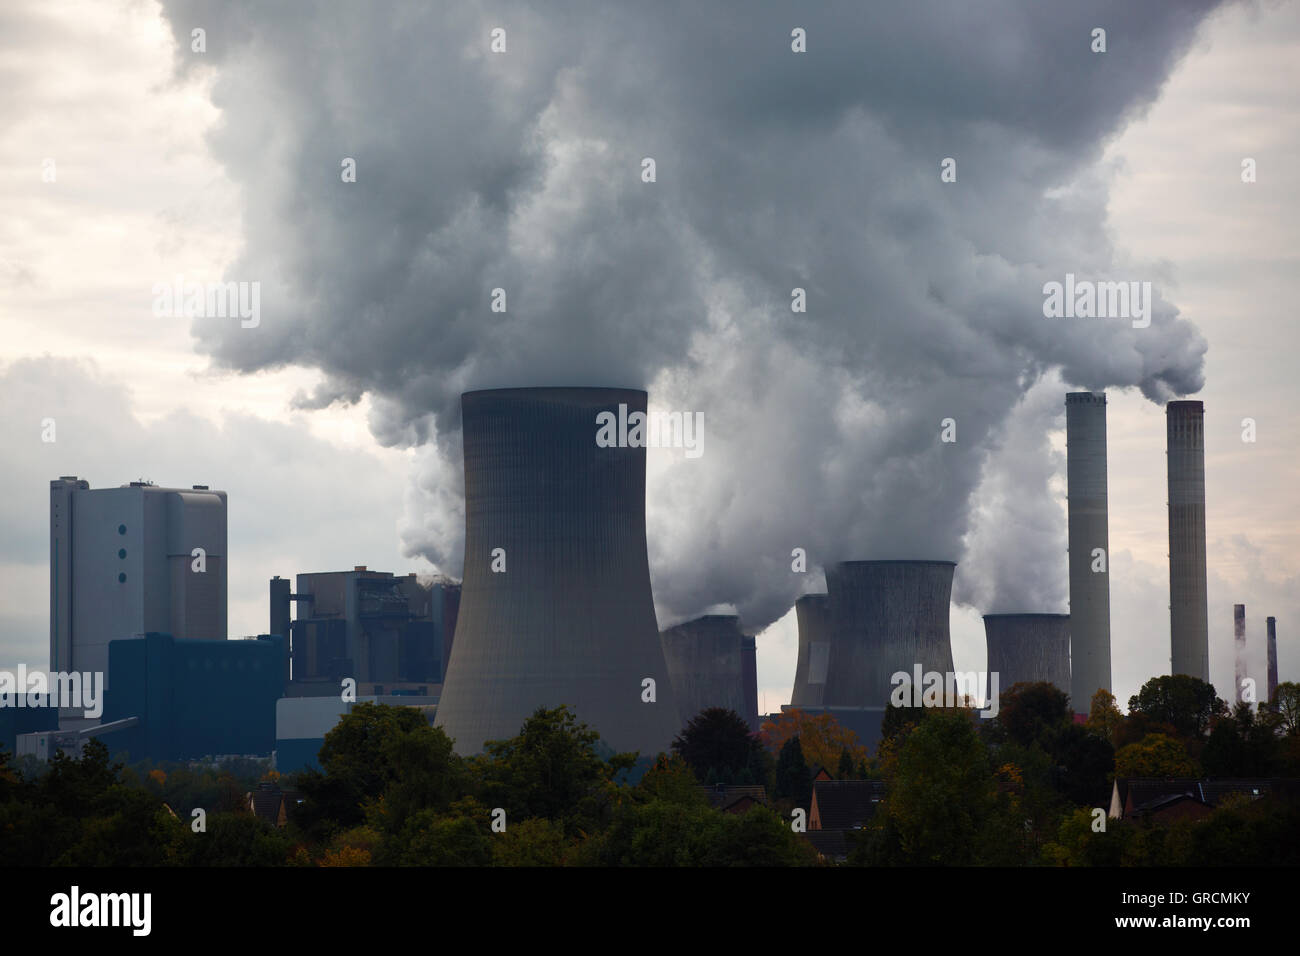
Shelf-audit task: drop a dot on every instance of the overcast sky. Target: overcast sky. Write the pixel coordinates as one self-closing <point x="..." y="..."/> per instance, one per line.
<point x="333" y="425"/>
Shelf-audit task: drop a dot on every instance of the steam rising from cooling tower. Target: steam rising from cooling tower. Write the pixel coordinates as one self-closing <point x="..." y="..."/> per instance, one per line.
<point x="924" y="300"/>
<point x="1089" y="544"/>
<point x="1189" y="622"/>
<point x="566" y="616"/>
<point x="1029" y="647"/>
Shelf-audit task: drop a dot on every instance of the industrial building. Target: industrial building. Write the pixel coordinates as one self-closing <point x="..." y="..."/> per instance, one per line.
<point x="1089" y="546"/>
<point x="556" y="605"/>
<point x="133" y="560"/>
<point x="1189" y="627"/>
<point x="1238" y="652"/>
<point x="1024" y="648"/>
<point x="387" y="633"/>
<point x="749" y="676"/>
<point x="193" y="698"/>
<point x="884" y="617"/>
<point x="812" y="612"/>
<point x="707" y="665"/>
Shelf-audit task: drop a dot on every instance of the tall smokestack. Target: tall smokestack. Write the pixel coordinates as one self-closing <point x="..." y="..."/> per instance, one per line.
<point x="1272" y="658"/>
<point x="555" y="607"/>
<point x="1028" y="647"/>
<point x="813" y="614"/>
<point x="1089" y="543"/>
<point x="1189" y="627"/>
<point x="1238" y="648"/>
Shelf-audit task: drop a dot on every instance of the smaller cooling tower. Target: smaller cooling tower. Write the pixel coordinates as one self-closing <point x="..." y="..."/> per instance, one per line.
<point x="1030" y="647"/>
<point x="706" y="664"/>
<point x="813" y="614"/>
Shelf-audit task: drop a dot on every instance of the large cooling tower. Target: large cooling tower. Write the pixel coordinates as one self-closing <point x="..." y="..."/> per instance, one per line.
<point x="1028" y="647"/>
<point x="569" y="617"/>
<point x="813" y="614"/>
<point x="706" y="664"/>
<point x="1085" y="441"/>
<point x="885" y="617"/>
<point x="1189" y="627"/>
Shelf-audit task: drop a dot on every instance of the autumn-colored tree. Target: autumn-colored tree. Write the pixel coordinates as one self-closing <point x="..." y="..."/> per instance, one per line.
<point x="1104" y="717"/>
<point x="346" y="856"/>
<point x="159" y="777"/>
<point x="1155" y="755"/>
<point x="821" y="737"/>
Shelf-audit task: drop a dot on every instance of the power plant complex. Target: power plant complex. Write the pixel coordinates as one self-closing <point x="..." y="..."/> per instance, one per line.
<point x="555" y="605"/>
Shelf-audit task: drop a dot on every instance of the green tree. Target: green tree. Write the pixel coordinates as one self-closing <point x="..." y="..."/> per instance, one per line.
<point x="1032" y="712"/>
<point x="1155" y="755"/>
<point x="845" y="770"/>
<point x="1184" y="702"/>
<point x="1242" y="745"/>
<point x="719" y="739"/>
<point x="1104" y="717"/>
<point x="793" y="778"/>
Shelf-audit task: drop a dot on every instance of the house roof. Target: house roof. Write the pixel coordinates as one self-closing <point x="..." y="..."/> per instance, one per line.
<point x="846" y="804"/>
<point x="722" y="796"/>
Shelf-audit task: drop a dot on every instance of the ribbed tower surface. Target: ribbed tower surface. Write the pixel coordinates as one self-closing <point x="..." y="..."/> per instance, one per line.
<point x="886" y="616"/>
<point x="571" y="620"/>
<point x="706" y="663"/>
<point x="813" y="613"/>
<point x="1029" y="647"/>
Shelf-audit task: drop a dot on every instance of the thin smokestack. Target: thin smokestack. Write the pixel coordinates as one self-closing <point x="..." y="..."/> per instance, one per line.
<point x="1089" y="546"/>
<point x="1189" y="629"/>
<point x="1272" y="658"/>
<point x="1239" y="648"/>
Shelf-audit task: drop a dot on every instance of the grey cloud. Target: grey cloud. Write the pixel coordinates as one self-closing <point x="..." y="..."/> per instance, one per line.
<point x="775" y="170"/>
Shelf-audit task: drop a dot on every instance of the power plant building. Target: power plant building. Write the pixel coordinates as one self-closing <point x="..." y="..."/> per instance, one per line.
<point x="388" y="633"/>
<point x="707" y="665"/>
<point x="556" y="606"/>
<point x="1089" y="546"/>
<point x="133" y="560"/>
<point x="1188" y="605"/>
<point x="812" y="612"/>
<point x="1026" y="648"/>
<point x="885" y="617"/>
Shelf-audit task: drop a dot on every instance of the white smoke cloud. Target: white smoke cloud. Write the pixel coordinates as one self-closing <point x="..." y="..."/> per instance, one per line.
<point x="775" y="170"/>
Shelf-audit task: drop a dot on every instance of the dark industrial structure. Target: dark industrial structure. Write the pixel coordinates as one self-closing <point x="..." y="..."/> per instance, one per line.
<point x="707" y="665"/>
<point x="1189" y="627"/>
<point x="812" y="612"/>
<point x="1029" y="647"/>
<point x="885" y="617"/>
<point x="1089" y="546"/>
<point x="193" y="698"/>
<point x="385" y="632"/>
<point x="1272" y="657"/>
<point x="555" y="605"/>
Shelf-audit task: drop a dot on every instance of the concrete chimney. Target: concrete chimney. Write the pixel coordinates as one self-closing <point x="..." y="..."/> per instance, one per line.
<point x="1272" y="657"/>
<point x="1238" y="648"/>
<point x="1089" y="547"/>
<point x="1189" y="628"/>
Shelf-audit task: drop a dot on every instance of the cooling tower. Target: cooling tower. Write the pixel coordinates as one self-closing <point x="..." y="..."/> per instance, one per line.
<point x="749" y="668"/>
<point x="706" y="664"/>
<point x="1189" y="627"/>
<point x="1085" y="441"/>
<point x="1238" y="649"/>
<point x="813" y="614"/>
<point x="885" y="617"/>
<point x="567" y="616"/>
<point x="1272" y="657"/>
<point x="1028" y="647"/>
